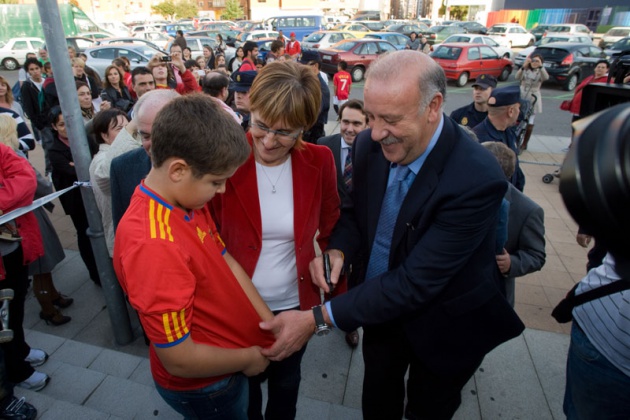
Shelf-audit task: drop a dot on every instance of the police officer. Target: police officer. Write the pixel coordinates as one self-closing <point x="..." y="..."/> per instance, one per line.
<point x="503" y="110"/>
<point x="240" y="84"/>
<point x="474" y="113"/>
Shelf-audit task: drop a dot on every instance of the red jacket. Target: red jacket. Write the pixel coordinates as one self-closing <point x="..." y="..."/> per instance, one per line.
<point x="189" y="84"/>
<point x="316" y="208"/>
<point x="17" y="189"/>
<point x="294" y="48"/>
<point x="576" y="102"/>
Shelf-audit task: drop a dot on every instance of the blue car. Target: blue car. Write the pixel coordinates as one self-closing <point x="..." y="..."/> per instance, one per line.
<point x="172" y="29"/>
<point x="264" y="46"/>
<point x="398" y="40"/>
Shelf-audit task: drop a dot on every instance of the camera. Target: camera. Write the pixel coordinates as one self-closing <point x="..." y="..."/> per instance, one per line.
<point x="105" y="96"/>
<point x="595" y="180"/>
<point x="166" y="58"/>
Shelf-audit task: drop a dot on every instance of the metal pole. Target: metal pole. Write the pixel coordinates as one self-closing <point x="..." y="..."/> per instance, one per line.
<point x="69" y="101"/>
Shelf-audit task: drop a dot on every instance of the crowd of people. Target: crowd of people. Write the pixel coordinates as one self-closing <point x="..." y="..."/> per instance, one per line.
<point x="215" y="180"/>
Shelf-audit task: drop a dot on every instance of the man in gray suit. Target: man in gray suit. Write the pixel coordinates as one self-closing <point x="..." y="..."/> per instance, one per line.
<point x="353" y="120"/>
<point x="524" y="251"/>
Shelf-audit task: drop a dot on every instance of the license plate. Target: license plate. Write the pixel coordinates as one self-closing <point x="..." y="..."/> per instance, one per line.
<point x="326" y="57"/>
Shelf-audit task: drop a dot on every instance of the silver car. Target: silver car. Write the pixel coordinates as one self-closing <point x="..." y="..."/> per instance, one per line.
<point x="325" y="39"/>
<point x="99" y="58"/>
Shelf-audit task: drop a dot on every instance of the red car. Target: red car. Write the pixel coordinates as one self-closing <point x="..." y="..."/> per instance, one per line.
<point x="358" y="53"/>
<point x="462" y="62"/>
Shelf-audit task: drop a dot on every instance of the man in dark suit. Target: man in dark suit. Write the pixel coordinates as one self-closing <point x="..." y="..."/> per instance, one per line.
<point x="430" y="301"/>
<point x="524" y="250"/>
<point x="352" y="120"/>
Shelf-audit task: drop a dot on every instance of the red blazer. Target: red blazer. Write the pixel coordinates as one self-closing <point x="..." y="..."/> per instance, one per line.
<point x="316" y="208"/>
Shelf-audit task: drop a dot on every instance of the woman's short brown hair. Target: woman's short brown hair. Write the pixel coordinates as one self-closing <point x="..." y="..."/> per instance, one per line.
<point x="287" y="92"/>
<point x="8" y="97"/>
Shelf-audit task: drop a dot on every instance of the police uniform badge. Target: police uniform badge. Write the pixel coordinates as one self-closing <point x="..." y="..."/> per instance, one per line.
<point x="464" y="121"/>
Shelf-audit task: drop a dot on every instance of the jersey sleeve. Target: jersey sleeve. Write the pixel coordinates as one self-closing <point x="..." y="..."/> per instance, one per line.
<point x="161" y="287"/>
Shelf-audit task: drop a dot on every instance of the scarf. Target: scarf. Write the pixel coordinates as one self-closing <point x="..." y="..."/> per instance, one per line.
<point x="88" y="113"/>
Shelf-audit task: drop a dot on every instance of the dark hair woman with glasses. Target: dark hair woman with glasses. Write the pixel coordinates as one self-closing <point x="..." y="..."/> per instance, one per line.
<point x="275" y="205"/>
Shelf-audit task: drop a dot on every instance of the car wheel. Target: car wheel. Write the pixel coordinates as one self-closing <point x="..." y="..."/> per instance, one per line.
<point x="571" y="83"/>
<point x="357" y="74"/>
<point x="505" y="73"/>
<point x="462" y="79"/>
<point x="10" y="64"/>
<point x="530" y="43"/>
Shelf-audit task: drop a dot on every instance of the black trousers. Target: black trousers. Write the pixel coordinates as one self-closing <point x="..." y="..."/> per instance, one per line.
<point x="16" y="350"/>
<point x="387" y="355"/>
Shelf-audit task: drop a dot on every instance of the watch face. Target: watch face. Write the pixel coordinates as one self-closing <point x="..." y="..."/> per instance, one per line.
<point x="322" y="331"/>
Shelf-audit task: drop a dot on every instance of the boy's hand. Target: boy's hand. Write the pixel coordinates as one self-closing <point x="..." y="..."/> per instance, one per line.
<point x="258" y="362"/>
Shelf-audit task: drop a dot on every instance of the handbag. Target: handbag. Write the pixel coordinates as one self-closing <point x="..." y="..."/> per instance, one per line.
<point x="563" y="312"/>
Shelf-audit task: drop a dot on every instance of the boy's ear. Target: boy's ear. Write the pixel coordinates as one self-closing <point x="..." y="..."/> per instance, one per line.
<point x="178" y="169"/>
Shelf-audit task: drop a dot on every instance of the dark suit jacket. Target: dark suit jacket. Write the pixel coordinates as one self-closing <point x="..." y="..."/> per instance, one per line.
<point x="334" y="144"/>
<point x="443" y="280"/>
<point x="126" y="172"/>
<point x="526" y="237"/>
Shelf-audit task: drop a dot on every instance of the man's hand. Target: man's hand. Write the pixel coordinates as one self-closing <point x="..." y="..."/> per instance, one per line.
<point x="504" y="262"/>
<point x="258" y="363"/>
<point x="292" y="330"/>
<point x="178" y="61"/>
<point x="583" y="240"/>
<point x="316" y="267"/>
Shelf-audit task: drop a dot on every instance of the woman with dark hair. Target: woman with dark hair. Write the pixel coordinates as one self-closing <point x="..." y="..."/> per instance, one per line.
<point x="531" y="76"/>
<point x="115" y="90"/>
<point x="106" y="126"/>
<point x="221" y="45"/>
<point x="85" y="101"/>
<point x="6" y="97"/>
<point x="282" y="199"/>
<point x="208" y="55"/>
<point x="124" y="66"/>
<point x="187" y="53"/>
<point x="237" y="60"/>
<point x="64" y="175"/>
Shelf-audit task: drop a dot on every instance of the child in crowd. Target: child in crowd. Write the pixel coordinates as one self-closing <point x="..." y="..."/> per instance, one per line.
<point x="342" y="82"/>
<point x="197" y="305"/>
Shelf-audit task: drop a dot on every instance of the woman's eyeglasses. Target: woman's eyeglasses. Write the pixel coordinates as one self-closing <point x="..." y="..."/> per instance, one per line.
<point x="284" y="137"/>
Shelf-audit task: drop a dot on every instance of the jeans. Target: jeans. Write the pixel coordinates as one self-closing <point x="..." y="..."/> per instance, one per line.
<point x="596" y="389"/>
<point x="226" y="399"/>
<point x="45" y="136"/>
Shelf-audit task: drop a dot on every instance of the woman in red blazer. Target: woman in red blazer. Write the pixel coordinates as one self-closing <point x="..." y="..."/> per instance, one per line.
<point x="275" y="205"/>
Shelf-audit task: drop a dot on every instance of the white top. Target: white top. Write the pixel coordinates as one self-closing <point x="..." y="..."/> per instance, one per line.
<point x="103" y="201"/>
<point x="123" y="143"/>
<point x="275" y="275"/>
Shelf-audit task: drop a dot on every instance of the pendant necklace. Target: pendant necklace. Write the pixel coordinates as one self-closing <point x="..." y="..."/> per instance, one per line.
<point x="273" y="184"/>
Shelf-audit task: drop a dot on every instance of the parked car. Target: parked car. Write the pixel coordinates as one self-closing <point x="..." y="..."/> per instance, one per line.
<point x="505" y="52"/>
<point x="473" y="27"/>
<point x="359" y="30"/>
<point x="374" y="25"/>
<point x="147" y="27"/>
<point x="569" y="29"/>
<point x="568" y="63"/>
<point x="229" y="35"/>
<point x="100" y="57"/>
<point x="325" y="39"/>
<point x="115" y="27"/>
<point x="95" y="36"/>
<point x="79" y="43"/>
<point x="13" y="52"/>
<point x="622" y="45"/>
<point x="613" y="35"/>
<point x="407" y="29"/>
<point x="398" y="40"/>
<point x="173" y="28"/>
<point x="254" y="35"/>
<point x="539" y="31"/>
<point x="520" y="58"/>
<point x="158" y="38"/>
<point x="196" y="43"/>
<point x="462" y="62"/>
<point x="516" y="35"/>
<point x="442" y="32"/>
<point x="130" y="40"/>
<point x="215" y="26"/>
<point x="358" y="53"/>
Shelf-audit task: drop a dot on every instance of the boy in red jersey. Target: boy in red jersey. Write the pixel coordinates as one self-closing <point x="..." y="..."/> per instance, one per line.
<point x="342" y="82"/>
<point x="197" y="305"/>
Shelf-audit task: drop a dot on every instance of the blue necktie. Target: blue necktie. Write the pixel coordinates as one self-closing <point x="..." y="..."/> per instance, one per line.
<point x="394" y="196"/>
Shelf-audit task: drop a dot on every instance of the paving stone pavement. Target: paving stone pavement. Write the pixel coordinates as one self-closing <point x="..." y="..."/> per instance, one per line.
<point x="94" y="378"/>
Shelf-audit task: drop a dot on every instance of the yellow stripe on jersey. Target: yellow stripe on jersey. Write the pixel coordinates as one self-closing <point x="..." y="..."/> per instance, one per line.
<point x="158" y="221"/>
<point x="182" y="317"/>
<point x="175" y="325"/>
<point x="167" y="327"/>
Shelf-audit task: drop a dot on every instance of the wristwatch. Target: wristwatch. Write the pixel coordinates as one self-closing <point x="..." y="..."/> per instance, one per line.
<point x="321" y="328"/>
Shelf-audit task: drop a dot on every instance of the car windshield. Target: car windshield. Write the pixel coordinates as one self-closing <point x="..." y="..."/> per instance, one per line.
<point x="560" y="29"/>
<point x="315" y="37"/>
<point x="498" y="29"/>
<point x="438" y="28"/>
<point x="618" y="32"/>
<point x="447" y="53"/>
<point x="552" y="54"/>
<point x="621" y="44"/>
<point x="145" y="50"/>
<point x="345" y="46"/>
<point x="457" y="38"/>
<point x="550" y="39"/>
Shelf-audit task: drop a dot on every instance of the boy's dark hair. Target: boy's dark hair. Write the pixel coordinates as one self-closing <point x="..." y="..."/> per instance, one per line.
<point x="194" y="128"/>
<point x="180" y="32"/>
<point x="353" y="104"/>
<point x="103" y="121"/>
<point x="139" y="70"/>
<point x="47" y="65"/>
<point x="603" y="61"/>
<point x="248" y="47"/>
<point x="276" y="45"/>
<point x="343" y="65"/>
<point x="30" y="61"/>
<point x="190" y="64"/>
<point x="214" y="82"/>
